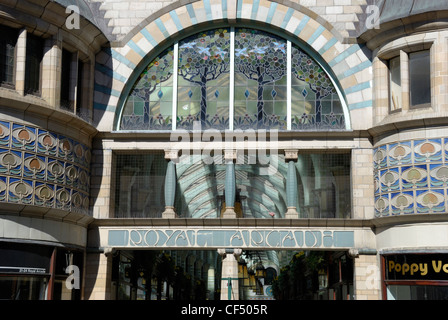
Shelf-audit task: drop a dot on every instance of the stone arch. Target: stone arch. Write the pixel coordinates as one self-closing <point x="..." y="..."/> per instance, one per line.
<point x="117" y="68"/>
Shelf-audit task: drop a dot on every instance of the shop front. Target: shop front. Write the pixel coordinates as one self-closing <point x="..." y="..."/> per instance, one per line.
<point x="39" y="272"/>
<point x="422" y="276"/>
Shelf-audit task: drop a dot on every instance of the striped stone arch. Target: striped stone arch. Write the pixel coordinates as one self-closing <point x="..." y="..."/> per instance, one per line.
<point x="117" y="68"/>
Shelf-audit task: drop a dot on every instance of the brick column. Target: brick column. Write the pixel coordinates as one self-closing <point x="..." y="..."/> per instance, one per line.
<point x="98" y="276"/>
<point x="102" y="194"/>
<point x="362" y="183"/>
<point x="229" y="274"/>
<point x="21" y="62"/>
<point x="367" y="276"/>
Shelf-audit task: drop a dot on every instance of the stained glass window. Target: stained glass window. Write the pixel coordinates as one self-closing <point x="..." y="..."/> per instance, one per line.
<point x="241" y="73"/>
<point x="260" y="80"/>
<point x="315" y="102"/>
<point x="203" y="88"/>
<point x="149" y="105"/>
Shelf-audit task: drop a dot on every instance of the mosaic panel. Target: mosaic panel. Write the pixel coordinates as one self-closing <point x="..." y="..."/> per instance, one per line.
<point x="42" y="168"/>
<point x="411" y="177"/>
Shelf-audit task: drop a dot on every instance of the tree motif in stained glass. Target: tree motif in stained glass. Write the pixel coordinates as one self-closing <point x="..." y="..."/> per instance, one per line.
<point x="315" y="102"/>
<point x="260" y="80"/>
<point x="149" y="105"/>
<point x="204" y="65"/>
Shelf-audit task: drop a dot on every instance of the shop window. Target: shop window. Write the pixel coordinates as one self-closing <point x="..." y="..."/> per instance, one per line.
<point x="22" y="288"/>
<point x="34" y="55"/>
<point x="420" y="79"/>
<point x="7" y="56"/>
<point x="415" y="276"/>
<point x="395" y="90"/>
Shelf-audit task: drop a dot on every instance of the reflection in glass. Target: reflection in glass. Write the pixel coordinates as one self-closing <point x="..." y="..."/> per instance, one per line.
<point x="22" y="288"/>
<point x="395" y="84"/>
<point x="323" y="183"/>
<point x="139" y="189"/>
<point x="420" y="78"/>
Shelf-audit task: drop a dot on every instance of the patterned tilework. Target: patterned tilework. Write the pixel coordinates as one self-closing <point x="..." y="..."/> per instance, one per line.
<point x="42" y="168"/>
<point x="350" y="63"/>
<point x="411" y="177"/>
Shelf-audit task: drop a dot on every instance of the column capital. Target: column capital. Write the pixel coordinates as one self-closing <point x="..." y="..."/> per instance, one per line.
<point x="230" y="154"/>
<point x="172" y="155"/>
<point x="291" y="154"/>
<point x="236" y="252"/>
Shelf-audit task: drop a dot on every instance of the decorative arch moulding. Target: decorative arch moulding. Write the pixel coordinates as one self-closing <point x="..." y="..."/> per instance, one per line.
<point x="118" y="67"/>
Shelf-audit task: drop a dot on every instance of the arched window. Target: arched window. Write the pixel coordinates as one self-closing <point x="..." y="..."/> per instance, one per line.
<point x="233" y="78"/>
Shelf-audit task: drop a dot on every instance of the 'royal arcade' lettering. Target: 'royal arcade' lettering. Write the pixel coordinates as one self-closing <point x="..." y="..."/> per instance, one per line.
<point x="247" y="238"/>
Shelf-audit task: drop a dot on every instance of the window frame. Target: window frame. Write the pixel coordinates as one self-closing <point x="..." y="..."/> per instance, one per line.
<point x="404" y="54"/>
<point x="12" y="34"/>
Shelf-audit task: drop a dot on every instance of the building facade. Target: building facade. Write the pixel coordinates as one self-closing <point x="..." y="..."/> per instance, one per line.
<point x="235" y="149"/>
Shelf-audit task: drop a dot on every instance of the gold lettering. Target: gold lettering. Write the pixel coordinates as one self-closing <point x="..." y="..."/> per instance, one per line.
<point x="391" y="266"/>
<point x="405" y="268"/>
<point x="438" y="267"/>
<point x="445" y="268"/>
<point x="424" y="269"/>
<point x="414" y="268"/>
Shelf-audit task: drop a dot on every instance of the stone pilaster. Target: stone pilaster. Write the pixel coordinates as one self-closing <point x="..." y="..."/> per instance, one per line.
<point x="367" y="276"/>
<point x="98" y="276"/>
<point x="229" y="275"/>
<point x="51" y="70"/>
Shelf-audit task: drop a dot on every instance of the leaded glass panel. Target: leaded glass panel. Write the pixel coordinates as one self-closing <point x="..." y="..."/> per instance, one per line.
<point x="315" y="102"/>
<point x="203" y="88"/>
<point x="149" y="105"/>
<point x="260" y="80"/>
<point x="256" y="93"/>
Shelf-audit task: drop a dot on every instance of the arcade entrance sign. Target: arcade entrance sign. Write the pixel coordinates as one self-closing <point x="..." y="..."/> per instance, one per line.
<point x="214" y="238"/>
